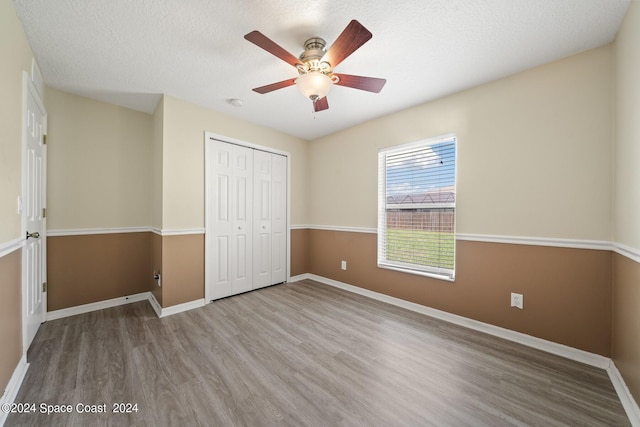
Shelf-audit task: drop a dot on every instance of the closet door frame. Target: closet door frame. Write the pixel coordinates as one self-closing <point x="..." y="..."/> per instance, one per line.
<point x="208" y="171"/>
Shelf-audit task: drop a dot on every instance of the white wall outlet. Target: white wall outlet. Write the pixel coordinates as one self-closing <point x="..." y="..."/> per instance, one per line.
<point x="517" y="300"/>
<point x="343" y="265"/>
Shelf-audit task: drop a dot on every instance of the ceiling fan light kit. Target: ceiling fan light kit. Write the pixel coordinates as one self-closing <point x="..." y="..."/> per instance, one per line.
<point x="315" y="65"/>
<point x="314" y="85"/>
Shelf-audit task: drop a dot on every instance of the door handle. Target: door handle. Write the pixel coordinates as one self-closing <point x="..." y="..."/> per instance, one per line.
<point x="34" y="235"/>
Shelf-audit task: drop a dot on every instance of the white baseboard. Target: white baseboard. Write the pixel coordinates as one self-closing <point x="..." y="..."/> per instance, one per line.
<point x="87" y="308"/>
<point x="155" y="304"/>
<point x="15" y="382"/>
<point x="591" y="359"/>
<point x="298" y="278"/>
<point x="626" y="398"/>
<point x="144" y="296"/>
<point x="175" y="309"/>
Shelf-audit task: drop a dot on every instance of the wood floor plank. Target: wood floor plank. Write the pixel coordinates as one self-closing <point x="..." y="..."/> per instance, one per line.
<point x="303" y="354"/>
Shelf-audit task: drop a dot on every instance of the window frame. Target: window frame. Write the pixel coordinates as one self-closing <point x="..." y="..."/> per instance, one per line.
<point x="417" y="269"/>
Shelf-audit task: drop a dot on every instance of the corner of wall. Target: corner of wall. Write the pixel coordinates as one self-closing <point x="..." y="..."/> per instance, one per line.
<point x="625" y="341"/>
<point x="155" y="267"/>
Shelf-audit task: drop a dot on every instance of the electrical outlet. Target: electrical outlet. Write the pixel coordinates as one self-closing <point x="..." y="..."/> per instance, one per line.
<point x="343" y="265"/>
<point x="517" y="300"/>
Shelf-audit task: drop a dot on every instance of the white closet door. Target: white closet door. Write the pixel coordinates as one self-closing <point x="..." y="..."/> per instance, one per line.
<point x="262" y="219"/>
<point x="231" y="218"/>
<point x="278" y="219"/>
<point x="246" y="240"/>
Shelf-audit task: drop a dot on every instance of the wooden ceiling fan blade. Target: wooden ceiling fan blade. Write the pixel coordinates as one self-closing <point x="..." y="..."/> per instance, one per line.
<point x="354" y="36"/>
<point x="370" y="84"/>
<point x="321" y="104"/>
<point x="275" y="86"/>
<point x="260" y="40"/>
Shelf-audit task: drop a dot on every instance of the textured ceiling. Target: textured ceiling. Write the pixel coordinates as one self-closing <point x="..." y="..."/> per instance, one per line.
<point x="128" y="52"/>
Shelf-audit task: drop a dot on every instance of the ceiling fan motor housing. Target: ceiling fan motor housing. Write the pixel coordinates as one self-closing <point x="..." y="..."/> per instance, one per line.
<point x="314" y="51"/>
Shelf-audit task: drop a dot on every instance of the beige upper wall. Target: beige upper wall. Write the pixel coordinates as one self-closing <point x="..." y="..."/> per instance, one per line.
<point x="627" y="128"/>
<point x="99" y="164"/>
<point x="15" y="57"/>
<point x="534" y="154"/>
<point x="183" y="160"/>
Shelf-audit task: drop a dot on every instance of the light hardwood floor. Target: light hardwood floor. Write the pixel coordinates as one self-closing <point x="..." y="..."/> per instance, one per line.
<point x="303" y="354"/>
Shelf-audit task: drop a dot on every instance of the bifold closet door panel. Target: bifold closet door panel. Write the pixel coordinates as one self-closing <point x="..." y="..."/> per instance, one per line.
<point x="278" y="219"/>
<point x="270" y="219"/>
<point x="231" y="217"/>
<point x="262" y="178"/>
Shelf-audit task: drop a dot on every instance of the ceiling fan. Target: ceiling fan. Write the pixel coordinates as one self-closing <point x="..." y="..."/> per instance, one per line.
<point x="316" y="64"/>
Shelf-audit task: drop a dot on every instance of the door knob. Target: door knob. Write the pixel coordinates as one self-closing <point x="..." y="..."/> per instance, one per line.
<point x="34" y="235"/>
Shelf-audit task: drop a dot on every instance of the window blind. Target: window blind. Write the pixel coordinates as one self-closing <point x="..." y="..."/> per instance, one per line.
<point x="416" y="207"/>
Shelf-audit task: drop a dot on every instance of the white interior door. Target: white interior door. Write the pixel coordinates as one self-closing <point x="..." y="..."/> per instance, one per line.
<point x="34" y="199"/>
<point x="230" y="218"/>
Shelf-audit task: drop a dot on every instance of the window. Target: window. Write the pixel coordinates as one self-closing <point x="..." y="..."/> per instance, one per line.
<point x="417" y="207"/>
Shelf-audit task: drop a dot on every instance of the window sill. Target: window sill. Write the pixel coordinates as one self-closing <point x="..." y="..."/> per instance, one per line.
<point x="418" y="272"/>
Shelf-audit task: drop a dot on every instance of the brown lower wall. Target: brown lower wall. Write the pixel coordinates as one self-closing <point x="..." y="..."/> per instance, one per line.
<point x="10" y="315"/>
<point x="183" y="269"/>
<point x="626" y="321"/>
<point x="92" y="268"/>
<point x="98" y="267"/>
<point x="299" y="251"/>
<point x="567" y="292"/>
